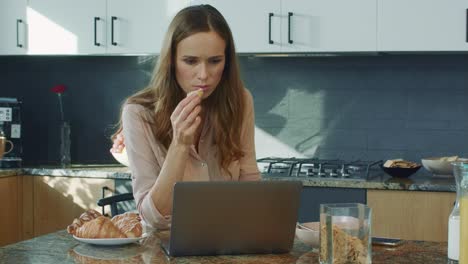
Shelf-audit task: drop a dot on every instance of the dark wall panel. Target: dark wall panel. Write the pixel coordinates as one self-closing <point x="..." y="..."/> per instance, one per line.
<point x="370" y="107"/>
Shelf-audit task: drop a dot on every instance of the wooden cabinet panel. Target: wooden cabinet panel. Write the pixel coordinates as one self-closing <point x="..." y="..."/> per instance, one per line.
<point x="37" y="205"/>
<point x="410" y="214"/>
<point x="27" y="206"/>
<point x="10" y="223"/>
<point x="58" y="200"/>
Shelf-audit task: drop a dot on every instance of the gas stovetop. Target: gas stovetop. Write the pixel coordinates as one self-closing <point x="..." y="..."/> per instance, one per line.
<point x="315" y="168"/>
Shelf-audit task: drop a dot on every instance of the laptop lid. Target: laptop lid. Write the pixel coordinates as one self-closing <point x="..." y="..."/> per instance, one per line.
<point x="222" y="218"/>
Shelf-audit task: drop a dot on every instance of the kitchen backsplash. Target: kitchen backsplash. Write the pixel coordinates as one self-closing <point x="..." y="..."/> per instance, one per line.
<point x="367" y="107"/>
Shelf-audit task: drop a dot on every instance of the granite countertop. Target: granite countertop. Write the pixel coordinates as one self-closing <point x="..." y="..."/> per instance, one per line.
<point x="104" y="171"/>
<point x="10" y="172"/>
<point x="60" y="247"/>
<point x="418" y="182"/>
<point x="385" y="182"/>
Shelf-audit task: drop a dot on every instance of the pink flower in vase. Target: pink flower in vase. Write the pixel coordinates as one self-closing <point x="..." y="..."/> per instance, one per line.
<point x="59" y="90"/>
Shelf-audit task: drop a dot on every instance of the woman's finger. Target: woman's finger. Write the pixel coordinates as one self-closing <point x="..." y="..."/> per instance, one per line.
<point x="185" y="112"/>
<point x="190" y="96"/>
<point x="187" y="122"/>
<point x="193" y="126"/>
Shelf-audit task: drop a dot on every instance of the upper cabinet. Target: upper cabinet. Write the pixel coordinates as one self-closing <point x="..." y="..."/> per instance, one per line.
<point x="256" y="27"/>
<point x="300" y="25"/>
<point x="67" y="26"/>
<point x="13" y="27"/>
<point x="328" y="26"/>
<point x="137" y="26"/>
<point x="264" y="26"/>
<point x="99" y="26"/>
<point x="422" y="25"/>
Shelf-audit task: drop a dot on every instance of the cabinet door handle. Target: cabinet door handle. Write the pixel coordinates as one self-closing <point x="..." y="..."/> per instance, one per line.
<point x="112" y="30"/>
<point x="18" y="44"/>
<point x="270" y="15"/>
<point x="466" y="25"/>
<point x="290" y="14"/>
<point x="96" y="19"/>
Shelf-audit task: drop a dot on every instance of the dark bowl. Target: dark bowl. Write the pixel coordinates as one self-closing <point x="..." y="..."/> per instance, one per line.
<point x="400" y="172"/>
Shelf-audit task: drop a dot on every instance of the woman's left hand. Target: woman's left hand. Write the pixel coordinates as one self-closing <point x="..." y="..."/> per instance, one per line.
<point x="119" y="144"/>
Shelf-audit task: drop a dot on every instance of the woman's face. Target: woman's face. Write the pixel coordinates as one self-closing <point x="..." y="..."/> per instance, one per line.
<point x="200" y="60"/>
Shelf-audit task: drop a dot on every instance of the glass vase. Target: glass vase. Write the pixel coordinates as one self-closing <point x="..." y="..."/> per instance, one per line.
<point x="65" y="144"/>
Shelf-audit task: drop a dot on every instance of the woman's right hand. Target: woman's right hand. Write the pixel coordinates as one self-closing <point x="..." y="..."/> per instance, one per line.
<point x="185" y="119"/>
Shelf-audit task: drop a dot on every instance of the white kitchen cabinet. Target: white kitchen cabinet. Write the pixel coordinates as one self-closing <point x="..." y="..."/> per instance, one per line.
<point x="13" y="27"/>
<point x="250" y="23"/>
<point x="141" y="27"/>
<point x="300" y="25"/>
<point x="67" y="26"/>
<point x="422" y="25"/>
<point x="99" y="26"/>
<point x="329" y="26"/>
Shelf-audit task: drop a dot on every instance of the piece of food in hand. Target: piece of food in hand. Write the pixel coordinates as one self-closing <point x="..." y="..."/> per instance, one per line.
<point x="101" y="227"/>
<point x="199" y="92"/>
<point x="400" y="163"/>
<point x="84" y="217"/>
<point x="129" y="224"/>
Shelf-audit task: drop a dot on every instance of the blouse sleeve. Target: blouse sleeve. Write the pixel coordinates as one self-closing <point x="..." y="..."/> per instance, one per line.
<point x="248" y="163"/>
<point x="145" y="157"/>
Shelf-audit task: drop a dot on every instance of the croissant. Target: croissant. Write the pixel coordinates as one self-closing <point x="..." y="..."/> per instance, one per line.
<point x="129" y="224"/>
<point x="101" y="227"/>
<point x="84" y="217"/>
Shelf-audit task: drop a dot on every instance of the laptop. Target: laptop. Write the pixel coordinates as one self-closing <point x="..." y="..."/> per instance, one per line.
<point x="227" y="218"/>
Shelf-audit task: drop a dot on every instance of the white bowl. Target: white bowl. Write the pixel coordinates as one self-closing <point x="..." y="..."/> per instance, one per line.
<point x="440" y="165"/>
<point x="121" y="157"/>
<point x="310" y="235"/>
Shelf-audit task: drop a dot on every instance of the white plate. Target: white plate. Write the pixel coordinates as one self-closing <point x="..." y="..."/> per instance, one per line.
<point x="110" y="241"/>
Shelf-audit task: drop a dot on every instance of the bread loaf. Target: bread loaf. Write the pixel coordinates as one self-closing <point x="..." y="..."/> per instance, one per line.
<point x="101" y="227"/>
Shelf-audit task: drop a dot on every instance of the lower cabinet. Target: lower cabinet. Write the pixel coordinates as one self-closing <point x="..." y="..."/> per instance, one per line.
<point x="36" y="205"/>
<point x="56" y="201"/>
<point x="10" y="208"/>
<point x="413" y="215"/>
<point x="312" y="197"/>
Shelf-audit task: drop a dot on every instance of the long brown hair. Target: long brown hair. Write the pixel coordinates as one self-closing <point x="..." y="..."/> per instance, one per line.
<point x="225" y="105"/>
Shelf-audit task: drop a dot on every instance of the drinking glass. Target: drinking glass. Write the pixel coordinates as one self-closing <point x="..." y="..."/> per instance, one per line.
<point x="345" y="233"/>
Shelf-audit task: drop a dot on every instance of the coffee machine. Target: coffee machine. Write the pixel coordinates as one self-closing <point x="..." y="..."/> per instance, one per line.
<point x="10" y="125"/>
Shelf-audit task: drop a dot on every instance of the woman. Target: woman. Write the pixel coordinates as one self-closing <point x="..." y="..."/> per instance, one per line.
<point x="195" y="120"/>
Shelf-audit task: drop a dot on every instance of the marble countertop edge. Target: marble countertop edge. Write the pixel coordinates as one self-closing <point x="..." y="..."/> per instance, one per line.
<point x="416" y="183"/>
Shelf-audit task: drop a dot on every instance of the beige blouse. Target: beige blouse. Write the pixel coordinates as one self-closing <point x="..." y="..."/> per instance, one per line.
<point x="146" y="157"/>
